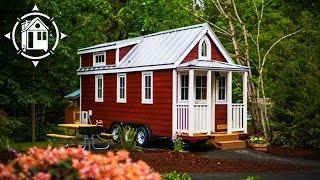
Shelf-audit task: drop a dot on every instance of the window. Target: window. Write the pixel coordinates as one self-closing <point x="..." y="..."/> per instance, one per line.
<point x="121" y="88"/>
<point x="147" y="97"/>
<point x="44" y="35"/>
<point x="184" y="85"/>
<point x="222" y="88"/>
<point x="201" y="87"/>
<point x="99" y="88"/>
<point x="99" y="59"/>
<point x="84" y="118"/>
<point x="39" y="35"/>
<point x="205" y="48"/>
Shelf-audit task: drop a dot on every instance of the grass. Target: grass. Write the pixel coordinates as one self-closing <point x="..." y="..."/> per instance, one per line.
<point x="24" y="146"/>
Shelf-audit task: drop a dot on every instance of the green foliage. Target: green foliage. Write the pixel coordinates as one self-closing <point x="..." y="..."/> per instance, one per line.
<point x="176" y="176"/>
<point x="127" y="138"/>
<point x="253" y="178"/>
<point x="4" y="143"/>
<point x="257" y="140"/>
<point x="178" y="145"/>
<point x="19" y="129"/>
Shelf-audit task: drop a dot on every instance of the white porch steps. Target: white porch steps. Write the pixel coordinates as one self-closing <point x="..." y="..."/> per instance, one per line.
<point x="227" y="141"/>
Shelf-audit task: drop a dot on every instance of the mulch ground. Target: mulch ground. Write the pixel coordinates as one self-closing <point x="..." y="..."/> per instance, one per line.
<point x="166" y="161"/>
<point x="295" y="153"/>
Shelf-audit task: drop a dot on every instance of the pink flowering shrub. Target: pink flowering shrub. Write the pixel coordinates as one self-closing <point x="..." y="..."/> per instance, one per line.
<point x="75" y="163"/>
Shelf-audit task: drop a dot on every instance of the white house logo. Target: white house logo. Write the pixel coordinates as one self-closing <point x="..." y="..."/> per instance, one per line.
<point x="38" y="38"/>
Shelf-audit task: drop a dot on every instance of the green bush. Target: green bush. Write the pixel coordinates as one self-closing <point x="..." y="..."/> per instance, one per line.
<point x="4" y="143"/>
<point x="178" y="145"/>
<point x="176" y="176"/>
<point x="127" y="138"/>
<point x="252" y="178"/>
<point x="19" y="129"/>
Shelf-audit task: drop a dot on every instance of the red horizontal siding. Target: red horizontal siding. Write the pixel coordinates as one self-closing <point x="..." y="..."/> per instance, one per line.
<point x="124" y="50"/>
<point x="86" y="60"/>
<point x="157" y="115"/>
<point x="111" y="57"/>
<point x="221" y="115"/>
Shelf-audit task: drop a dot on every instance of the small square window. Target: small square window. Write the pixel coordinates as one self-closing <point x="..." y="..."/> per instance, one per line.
<point x="44" y="35"/>
<point x="39" y="35"/>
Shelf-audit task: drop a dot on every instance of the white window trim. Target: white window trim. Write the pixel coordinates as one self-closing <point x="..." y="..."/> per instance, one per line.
<point x="179" y="87"/>
<point x="84" y="117"/>
<point x="143" y="100"/>
<point x="217" y="90"/>
<point x="96" y="88"/>
<point x="207" y="41"/>
<point x="122" y="100"/>
<point x="97" y="54"/>
<point x="199" y="101"/>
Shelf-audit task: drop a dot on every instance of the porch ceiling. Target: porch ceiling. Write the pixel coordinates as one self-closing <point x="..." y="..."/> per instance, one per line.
<point x="212" y="65"/>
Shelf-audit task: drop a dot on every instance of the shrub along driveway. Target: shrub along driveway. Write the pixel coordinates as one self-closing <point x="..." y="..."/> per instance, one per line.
<point x="252" y="155"/>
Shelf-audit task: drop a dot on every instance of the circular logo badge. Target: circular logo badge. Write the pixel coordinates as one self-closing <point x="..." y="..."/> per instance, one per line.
<point x="35" y="35"/>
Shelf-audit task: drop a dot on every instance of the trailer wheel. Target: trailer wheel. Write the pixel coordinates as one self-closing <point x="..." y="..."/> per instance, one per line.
<point x="143" y="136"/>
<point x="115" y="132"/>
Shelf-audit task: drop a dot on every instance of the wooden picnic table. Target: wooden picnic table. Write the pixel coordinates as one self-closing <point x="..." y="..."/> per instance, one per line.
<point x="76" y="125"/>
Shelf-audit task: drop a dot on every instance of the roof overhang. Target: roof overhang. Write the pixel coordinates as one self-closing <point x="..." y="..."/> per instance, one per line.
<point x="212" y="65"/>
<point x="74" y="95"/>
<point x="106" y="46"/>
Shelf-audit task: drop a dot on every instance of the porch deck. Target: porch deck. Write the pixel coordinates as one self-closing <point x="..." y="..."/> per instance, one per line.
<point x="221" y="140"/>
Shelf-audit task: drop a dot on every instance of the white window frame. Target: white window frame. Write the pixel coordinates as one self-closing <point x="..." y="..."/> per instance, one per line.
<point x="200" y="101"/>
<point x="97" y="99"/>
<point x="99" y="54"/>
<point x="119" y="99"/>
<point x="84" y="117"/>
<point x="224" y="101"/>
<point x="207" y="41"/>
<point x="180" y="87"/>
<point x="143" y="88"/>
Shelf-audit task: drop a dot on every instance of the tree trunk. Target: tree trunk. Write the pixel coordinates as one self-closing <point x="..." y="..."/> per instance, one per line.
<point x="33" y="119"/>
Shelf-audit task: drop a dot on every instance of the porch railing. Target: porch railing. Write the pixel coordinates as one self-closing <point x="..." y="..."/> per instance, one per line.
<point x="201" y="123"/>
<point x="183" y="118"/>
<point x="237" y="117"/>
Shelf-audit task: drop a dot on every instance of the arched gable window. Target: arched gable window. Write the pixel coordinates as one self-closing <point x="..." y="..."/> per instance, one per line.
<point x="205" y="48"/>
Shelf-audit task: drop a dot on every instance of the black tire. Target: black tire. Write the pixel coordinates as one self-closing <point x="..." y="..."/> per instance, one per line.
<point x="114" y="130"/>
<point x="143" y="136"/>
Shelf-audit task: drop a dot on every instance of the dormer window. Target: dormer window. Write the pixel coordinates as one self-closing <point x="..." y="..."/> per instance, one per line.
<point x="205" y="48"/>
<point x="99" y="59"/>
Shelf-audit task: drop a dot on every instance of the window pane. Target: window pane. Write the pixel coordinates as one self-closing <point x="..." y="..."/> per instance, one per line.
<point x="198" y="93"/>
<point x="39" y="35"/>
<point x="44" y="35"/>
<point x="204" y="93"/>
<point x="198" y="81"/>
<point x="204" y="49"/>
<point x="204" y="81"/>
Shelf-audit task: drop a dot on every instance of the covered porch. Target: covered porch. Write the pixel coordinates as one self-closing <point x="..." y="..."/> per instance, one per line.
<point x="202" y="99"/>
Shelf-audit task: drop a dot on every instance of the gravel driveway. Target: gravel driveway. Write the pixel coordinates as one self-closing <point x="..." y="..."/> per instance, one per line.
<point x="249" y="154"/>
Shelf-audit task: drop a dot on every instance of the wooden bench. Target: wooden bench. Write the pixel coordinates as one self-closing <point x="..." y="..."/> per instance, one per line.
<point x="62" y="136"/>
<point x="106" y="135"/>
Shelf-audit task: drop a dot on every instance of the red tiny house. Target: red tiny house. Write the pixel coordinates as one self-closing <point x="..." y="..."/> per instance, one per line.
<point x="166" y="89"/>
<point x="157" y="116"/>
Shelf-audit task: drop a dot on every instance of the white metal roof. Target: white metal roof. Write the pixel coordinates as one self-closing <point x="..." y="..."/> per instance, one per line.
<point x="212" y="65"/>
<point x="162" y="50"/>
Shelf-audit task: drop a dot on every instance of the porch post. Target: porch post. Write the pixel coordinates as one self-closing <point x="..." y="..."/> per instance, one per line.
<point x="191" y="102"/>
<point x="209" y="108"/>
<point x="229" y="102"/>
<point x="245" y="99"/>
<point x="174" y="104"/>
